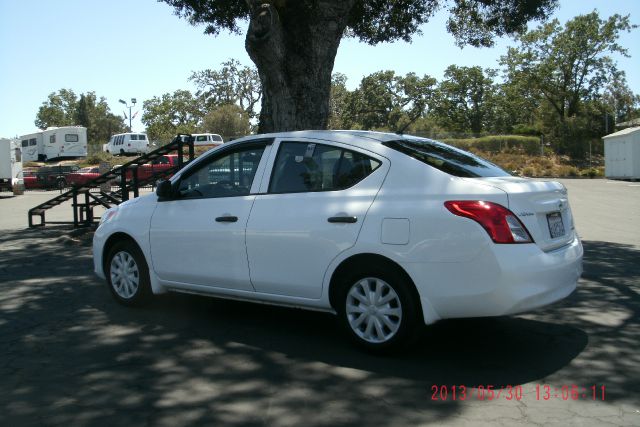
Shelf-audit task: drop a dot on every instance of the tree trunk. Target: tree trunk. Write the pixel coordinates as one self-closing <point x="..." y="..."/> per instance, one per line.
<point x="294" y="43"/>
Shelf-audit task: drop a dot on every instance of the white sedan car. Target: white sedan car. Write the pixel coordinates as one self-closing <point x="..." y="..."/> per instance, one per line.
<point x="387" y="231"/>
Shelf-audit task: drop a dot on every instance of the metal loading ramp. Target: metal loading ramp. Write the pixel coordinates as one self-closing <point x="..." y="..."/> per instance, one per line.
<point x="87" y="196"/>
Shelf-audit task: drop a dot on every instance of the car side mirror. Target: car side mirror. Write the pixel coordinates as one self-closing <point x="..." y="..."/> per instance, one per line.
<point x="164" y="190"/>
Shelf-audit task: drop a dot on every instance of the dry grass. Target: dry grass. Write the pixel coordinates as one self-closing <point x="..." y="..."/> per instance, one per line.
<point x="548" y="166"/>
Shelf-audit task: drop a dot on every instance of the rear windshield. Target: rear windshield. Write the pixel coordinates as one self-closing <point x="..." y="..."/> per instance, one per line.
<point x="446" y="158"/>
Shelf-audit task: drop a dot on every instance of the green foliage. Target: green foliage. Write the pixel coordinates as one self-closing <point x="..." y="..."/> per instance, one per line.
<point x="376" y="21"/>
<point x="294" y="43"/>
<point x="170" y="114"/>
<point x="619" y="101"/>
<point x="228" y="120"/>
<point x="498" y="143"/>
<point x="388" y="102"/>
<point x="525" y="129"/>
<point x="65" y="109"/>
<point x="465" y="98"/>
<point x="99" y="157"/>
<point x="567" y="65"/>
<point x="338" y="101"/>
<point x="475" y="22"/>
<point x="232" y="84"/>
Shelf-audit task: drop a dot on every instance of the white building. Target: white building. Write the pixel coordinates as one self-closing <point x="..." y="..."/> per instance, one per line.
<point x="622" y="154"/>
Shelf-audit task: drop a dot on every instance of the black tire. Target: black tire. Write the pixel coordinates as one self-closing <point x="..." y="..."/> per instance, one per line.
<point x="121" y="152"/>
<point x="125" y="289"/>
<point x="385" y="339"/>
<point x="61" y="183"/>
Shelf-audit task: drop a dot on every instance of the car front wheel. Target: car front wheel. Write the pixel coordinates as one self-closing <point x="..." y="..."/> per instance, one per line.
<point x="378" y="310"/>
<point x="128" y="274"/>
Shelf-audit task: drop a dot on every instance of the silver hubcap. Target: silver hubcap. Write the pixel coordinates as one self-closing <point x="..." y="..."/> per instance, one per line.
<point x="125" y="277"/>
<point x="373" y="310"/>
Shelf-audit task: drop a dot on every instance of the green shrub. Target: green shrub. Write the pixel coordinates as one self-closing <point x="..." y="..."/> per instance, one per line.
<point x="101" y="156"/>
<point x="499" y="143"/>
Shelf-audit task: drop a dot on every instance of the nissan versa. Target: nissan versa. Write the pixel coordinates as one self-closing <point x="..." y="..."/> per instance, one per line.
<point x="387" y="231"/>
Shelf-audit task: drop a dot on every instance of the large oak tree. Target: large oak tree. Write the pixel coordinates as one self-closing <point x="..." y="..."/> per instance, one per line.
<point x="294" y="42"/>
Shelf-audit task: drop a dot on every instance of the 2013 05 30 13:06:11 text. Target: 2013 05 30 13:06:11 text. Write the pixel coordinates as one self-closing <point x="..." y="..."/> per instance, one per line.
<point x="543" y="392"/>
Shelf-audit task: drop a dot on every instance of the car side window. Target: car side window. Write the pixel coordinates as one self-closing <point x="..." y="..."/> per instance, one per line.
<point x="305" y="167"/>
<point x="227" y="176"/>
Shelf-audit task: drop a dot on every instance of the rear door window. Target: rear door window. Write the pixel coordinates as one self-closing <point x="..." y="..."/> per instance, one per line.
<point x="306" y="167"/>
<point x="446" y="158"/>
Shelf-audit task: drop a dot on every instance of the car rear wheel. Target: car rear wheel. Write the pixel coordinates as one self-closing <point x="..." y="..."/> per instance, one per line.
<point x="128" y="274"/>
<point x="377" y="310"/>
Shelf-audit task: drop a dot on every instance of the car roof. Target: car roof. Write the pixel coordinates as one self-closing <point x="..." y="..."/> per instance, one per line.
<point x="358" y="138"/>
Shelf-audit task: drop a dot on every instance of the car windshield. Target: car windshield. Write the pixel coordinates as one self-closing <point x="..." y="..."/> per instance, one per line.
<point x="446" y="158"/>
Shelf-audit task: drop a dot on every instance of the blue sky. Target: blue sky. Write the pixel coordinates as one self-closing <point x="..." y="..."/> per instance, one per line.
<point x="139" y="49"/>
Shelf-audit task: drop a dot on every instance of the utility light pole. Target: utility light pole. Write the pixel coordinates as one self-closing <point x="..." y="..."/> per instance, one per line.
<point x="133" y="103"/>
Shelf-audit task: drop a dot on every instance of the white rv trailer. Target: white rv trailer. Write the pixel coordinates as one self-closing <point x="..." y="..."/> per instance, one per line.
<point x="54" y="142"/>
<point x="10" y="163"/>
<point x="68" y="141"/>
<point x="32" y="147"/>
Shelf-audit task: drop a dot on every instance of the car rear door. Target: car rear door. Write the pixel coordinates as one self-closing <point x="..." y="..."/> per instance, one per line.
<point x="312" y="208"/>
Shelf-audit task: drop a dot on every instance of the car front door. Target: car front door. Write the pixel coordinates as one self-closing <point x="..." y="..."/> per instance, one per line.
<point x="315" y="203"/>
<point x="198" y="237"/>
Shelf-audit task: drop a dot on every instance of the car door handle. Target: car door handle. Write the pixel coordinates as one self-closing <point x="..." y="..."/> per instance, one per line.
<point x="345" y="219"/>
<point x="227" y="219"/>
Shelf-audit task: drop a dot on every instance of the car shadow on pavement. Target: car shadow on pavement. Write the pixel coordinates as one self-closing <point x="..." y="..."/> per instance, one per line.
<point x="70" y="354"/>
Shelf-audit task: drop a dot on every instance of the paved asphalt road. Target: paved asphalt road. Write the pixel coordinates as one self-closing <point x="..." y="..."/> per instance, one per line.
<point x="71" y="356"/>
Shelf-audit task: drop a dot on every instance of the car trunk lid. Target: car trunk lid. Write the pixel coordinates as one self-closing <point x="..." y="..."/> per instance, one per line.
<point x="542" y="206"/>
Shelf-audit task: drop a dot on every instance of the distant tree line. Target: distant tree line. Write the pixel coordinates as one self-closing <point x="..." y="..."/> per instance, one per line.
<point x="558" y="83"/>
<point x="65" y="108"/>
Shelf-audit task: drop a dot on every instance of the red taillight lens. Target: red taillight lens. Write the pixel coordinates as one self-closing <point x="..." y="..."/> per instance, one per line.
<point x="501" y="224"/>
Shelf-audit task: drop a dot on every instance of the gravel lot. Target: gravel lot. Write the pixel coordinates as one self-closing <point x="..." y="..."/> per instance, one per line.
<point x="71" y="356"/>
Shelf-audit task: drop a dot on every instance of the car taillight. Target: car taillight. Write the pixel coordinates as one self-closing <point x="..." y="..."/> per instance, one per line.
<point x="500" y="223"/>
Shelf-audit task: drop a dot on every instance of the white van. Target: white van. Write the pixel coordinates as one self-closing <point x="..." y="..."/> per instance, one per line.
<point x="213" y="139"/>
<point x="128" y="143"/>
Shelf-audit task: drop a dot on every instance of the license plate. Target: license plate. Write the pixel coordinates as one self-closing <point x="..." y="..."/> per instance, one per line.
<point x="556" y="226"/>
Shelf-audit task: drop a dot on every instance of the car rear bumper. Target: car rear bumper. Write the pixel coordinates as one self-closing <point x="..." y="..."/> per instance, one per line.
<point x="501" y="280"/>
